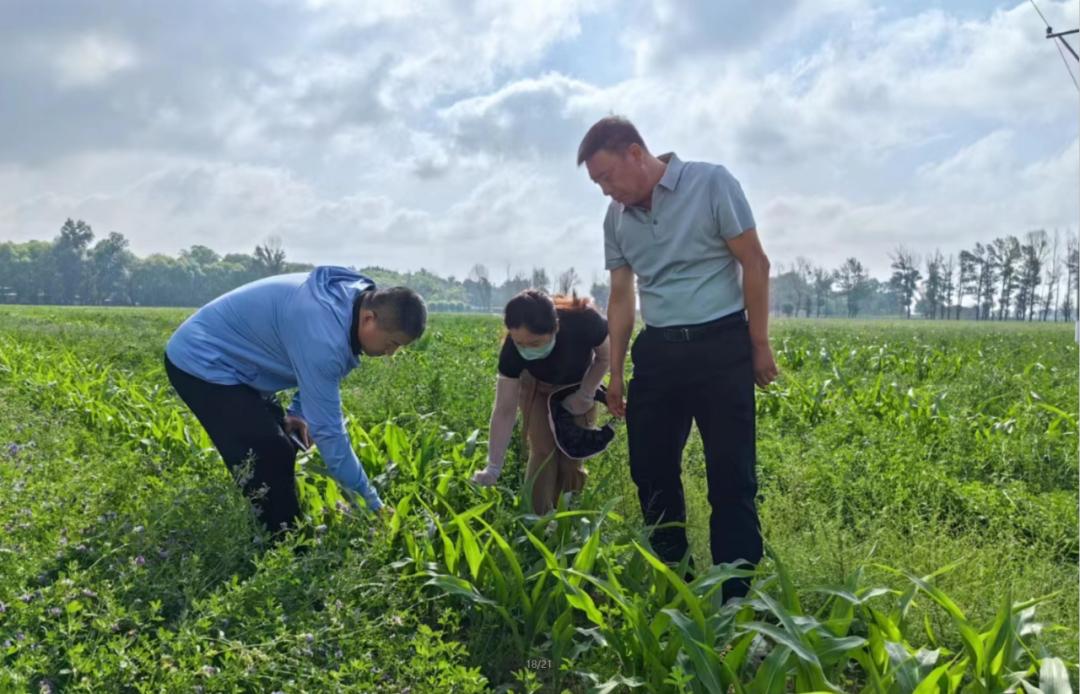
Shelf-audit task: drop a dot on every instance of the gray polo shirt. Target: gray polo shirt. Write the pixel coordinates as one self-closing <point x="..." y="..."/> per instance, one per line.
<point x="686" y="272"/>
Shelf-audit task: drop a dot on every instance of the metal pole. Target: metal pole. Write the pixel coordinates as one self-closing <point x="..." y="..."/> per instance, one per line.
<point x="1059" y="36"/>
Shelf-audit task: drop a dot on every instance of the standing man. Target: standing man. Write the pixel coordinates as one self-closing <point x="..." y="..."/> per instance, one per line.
<point x="302" y="330"/>
<point x="686" y="231"/>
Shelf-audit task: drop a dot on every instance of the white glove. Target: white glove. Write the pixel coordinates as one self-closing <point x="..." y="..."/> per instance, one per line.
<point x="578" y="402"/>
<point x="488" y="476"/>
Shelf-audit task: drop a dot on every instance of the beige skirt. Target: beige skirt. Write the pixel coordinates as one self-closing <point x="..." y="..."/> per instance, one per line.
<point x="549" y="471"/>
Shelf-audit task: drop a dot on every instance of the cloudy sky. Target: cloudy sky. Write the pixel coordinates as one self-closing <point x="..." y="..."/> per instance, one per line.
<point x="443" y="134"/>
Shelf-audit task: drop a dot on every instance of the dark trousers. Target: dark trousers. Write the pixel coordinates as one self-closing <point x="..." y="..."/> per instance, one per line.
<point x="707" y="379"/>
<point x="247" y="430"/>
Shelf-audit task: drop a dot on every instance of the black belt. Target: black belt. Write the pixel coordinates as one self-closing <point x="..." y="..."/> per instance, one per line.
<point x="689" y="333"/>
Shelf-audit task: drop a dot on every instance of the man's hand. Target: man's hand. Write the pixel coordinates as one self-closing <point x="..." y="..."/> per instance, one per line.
<point x="746" y="247"/>
<point x="764" y="365"/>
<point x="616" y="404"/>
<point x="299" y="427"/>
<point x="620" y="315"/>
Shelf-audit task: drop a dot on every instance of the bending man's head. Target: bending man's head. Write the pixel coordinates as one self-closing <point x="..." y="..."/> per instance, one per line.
<point x="390" y="319"/>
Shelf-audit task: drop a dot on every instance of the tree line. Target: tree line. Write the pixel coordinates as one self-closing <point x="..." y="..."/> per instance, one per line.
<point x="1036" y="277"/>
<point x="75" y="269"/>
<point x="72" y="269"/>
<point x="1033" y="278"/>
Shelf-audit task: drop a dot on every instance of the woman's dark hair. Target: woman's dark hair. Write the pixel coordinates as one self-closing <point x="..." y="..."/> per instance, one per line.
<point x="536" y="311"/>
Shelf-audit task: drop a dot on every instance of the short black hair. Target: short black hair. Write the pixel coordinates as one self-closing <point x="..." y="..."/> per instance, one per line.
<point x="613" y="133"/>
<point x="400" y="309"/>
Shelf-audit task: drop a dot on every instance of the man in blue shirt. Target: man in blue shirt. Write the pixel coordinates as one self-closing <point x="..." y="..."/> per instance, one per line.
<point x="303" y="331"/>
<point x="685" y="230"/>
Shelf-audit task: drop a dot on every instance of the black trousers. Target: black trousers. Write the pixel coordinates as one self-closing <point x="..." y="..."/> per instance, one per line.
<point x="708" y="379"/>
<point x="247" y="429"/>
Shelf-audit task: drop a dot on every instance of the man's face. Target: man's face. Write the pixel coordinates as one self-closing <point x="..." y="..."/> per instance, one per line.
<point x="620" y="175"/>
<point x="376" y="341"/>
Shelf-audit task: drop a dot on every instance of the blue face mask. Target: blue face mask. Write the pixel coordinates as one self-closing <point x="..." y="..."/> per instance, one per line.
<point x="534" y="353"/>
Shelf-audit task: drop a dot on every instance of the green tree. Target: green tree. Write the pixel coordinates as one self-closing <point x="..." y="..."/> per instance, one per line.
<point x="159" y="280"/>
<point x="1004" y="253"/>
<point x="823" y="286"/>
<point x="478" y="288"/>
<point x="1072" y="275"/>
<point x="270" y="257"/>
<point x="69" y="253"/>
<point x="905" y="277"/>
<point x="1029" y="276"/>
<point x="933" y="285"/>
<point x="540" y="279"/>
<point x="851" y="279"/>
<point x="568" y="281"/>
<point x="601" y="293"/>
<point x="110" y="265"/>
<point x="200" y="255"/>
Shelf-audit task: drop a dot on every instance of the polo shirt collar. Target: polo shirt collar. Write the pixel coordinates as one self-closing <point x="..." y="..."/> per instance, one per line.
<point x="670" y="179"/>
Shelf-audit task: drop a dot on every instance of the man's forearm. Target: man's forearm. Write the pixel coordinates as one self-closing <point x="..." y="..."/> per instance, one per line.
<point x="599" y="368"/>
<point x="620" y="325"/>
<point x="756" y="295"/>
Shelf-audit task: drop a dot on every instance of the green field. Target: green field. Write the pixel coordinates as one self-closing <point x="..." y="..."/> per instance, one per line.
<point x="887" y="451"/>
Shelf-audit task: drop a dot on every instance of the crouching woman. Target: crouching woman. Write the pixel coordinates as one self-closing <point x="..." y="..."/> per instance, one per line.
<point x="551" y="342"/>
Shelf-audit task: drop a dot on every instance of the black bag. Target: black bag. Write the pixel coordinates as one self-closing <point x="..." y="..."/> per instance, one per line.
<point x="577" y="442"/>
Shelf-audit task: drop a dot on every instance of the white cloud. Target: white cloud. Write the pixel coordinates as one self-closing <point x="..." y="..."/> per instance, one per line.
<point x="92" y="59"/>
<point x="442" y="134"/>
<point x="542" y="116"/>
<point x="663" y="34"/>
<point x="990" y="157"/>
<point x="980" y="193"/>
<point x="448" y="48"/>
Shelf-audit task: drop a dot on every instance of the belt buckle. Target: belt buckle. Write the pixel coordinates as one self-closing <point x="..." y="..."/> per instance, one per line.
<point x="686" y="334"/>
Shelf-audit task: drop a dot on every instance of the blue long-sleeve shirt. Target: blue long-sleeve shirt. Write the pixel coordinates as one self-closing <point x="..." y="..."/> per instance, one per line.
<point x="285" y="332"/>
